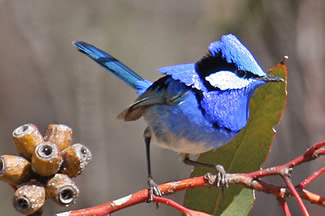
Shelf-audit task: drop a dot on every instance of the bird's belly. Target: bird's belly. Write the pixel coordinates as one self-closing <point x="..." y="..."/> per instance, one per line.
<point x="182" y="128"/>
<point x="181" y="145"/>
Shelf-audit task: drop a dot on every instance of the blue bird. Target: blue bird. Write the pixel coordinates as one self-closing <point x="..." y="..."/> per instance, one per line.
<point x="195" y="107"/>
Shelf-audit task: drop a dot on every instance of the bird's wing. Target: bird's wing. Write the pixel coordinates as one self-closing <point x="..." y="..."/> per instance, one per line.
<point x="186" y="74"/>
<point x="158" y="93"/>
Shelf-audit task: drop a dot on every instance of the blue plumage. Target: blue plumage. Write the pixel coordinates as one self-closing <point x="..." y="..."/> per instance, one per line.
<point x="184" y="73"/>
<point x="113" y="65"/>
<point x="233" y="51"/>
<point x="183" y="127"/>
<point x="195" y="107"/>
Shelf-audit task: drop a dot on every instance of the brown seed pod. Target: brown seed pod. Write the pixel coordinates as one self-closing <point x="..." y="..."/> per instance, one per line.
<point x="14" y="169"/>
<point x="46" y="159"/>
<point x="75" y="159"/>
<point x="29" y="198"/>
<point x="26" y="138"/>
<point x="59" y="134"/>
<point x="62" y="189"/>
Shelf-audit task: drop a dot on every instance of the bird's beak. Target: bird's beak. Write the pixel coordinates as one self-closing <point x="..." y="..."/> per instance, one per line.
<point x="270" y="78"/>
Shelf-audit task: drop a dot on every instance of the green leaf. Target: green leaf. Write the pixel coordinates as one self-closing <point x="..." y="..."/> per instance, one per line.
<point x="245" y="153"/>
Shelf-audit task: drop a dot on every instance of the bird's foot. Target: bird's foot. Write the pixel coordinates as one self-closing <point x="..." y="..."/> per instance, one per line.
<point x="153" y="189"/>
<point x="221" y="178"/>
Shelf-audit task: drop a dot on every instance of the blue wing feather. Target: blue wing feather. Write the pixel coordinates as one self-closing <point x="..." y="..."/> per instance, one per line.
<point x="186" y="74"/>
<point x="113" y="65"/>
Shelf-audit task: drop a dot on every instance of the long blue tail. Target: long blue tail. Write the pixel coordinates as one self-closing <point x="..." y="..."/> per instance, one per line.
<point x="113" y="65"/>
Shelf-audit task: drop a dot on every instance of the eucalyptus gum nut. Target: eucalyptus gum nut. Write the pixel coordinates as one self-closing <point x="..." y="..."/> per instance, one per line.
<point x="75" y="159"/>
<point x="59" y="134"/>
<point x="26" y="138"/>
<point x="47" y="159"/>
<point x="62" y="189"/>
<point x="29" y="198"/>
<point x="14" y="169"/>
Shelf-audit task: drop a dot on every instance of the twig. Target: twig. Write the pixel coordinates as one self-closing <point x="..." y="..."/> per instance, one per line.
<point x="186" y="211"/>
<point x="311" y="178"/>
<point x="296" y="195"/>
<point x="284" y="205"/>
<point x="310" y="154"/>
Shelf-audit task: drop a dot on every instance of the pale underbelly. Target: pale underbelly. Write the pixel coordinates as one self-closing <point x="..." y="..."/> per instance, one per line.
<point x="182" y="145"/>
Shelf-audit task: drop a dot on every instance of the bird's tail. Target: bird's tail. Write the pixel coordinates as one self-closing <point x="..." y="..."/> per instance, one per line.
<point x="113" y="65"/>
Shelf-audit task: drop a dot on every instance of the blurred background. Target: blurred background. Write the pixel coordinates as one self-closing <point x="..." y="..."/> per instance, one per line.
<point x="43" y="80"/>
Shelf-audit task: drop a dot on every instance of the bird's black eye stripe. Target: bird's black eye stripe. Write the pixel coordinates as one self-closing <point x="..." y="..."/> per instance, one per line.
<point x="241" y="73"/>
<point x="245" y="74"/>
<point x="210" y="64"/>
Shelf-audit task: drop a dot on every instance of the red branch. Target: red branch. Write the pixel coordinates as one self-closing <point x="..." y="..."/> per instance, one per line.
<point x="296" y="195"/>
<point x="311" y="154"/>
<point x="311" y="178"/>
<point x="186" y="211"/>
<point x="139" y="197"/>
<point x="248" y="180"/>
<point x="284" y="205"/>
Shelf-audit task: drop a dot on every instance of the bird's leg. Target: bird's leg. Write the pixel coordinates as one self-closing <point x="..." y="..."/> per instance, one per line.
<point x="153" y="187"/>
<point x="221" y="180"/>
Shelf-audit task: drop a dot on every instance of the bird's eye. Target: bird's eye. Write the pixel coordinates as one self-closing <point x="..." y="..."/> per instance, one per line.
<point x="241" y="73"/>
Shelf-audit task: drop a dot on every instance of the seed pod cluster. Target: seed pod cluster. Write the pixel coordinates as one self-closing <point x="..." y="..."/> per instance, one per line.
<point x="44" y="167"/>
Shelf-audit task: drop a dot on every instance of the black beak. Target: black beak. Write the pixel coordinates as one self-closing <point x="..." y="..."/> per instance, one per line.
<point x="270" y="78"/>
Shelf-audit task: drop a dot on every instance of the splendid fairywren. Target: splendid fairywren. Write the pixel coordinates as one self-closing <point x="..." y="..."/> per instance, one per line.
<point x="195" y="107"/>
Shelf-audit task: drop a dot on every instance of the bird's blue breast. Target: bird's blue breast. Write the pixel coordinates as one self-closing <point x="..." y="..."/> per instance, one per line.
<point x="228" y="109"/>
<point x="183" y="127"/>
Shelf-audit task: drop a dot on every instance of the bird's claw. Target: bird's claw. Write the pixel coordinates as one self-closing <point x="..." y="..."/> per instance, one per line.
<point x="153" y="190"/>
<point x="221" y="178"/>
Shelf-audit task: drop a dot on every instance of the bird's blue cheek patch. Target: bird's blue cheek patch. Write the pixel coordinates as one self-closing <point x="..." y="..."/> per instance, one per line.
<point x="226" y="109"/>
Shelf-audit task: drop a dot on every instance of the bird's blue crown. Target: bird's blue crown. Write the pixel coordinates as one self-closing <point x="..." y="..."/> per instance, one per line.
<point x="228" y="56"/>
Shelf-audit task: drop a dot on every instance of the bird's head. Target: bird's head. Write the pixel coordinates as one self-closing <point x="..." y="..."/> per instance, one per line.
<point x="231" y="75"/>
<point x="230" y="65"/>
